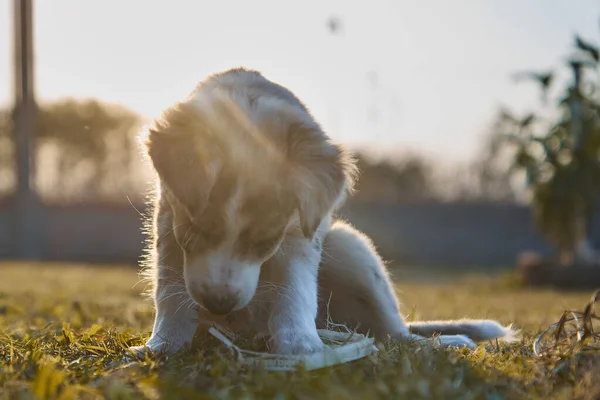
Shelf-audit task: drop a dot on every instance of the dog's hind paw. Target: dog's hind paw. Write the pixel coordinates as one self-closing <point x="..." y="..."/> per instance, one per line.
<point x="456" y="341"/>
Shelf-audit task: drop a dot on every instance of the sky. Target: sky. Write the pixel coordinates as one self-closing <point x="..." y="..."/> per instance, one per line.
<point x="422" y="76"/>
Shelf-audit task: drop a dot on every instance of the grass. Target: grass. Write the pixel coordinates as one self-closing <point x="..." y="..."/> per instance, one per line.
<point x="63" y="330"/>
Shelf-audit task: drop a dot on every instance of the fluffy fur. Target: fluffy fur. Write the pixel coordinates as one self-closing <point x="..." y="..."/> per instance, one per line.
<point x="243" y="229"/>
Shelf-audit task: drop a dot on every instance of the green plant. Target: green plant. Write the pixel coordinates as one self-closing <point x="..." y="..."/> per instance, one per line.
<point x="560" y="154"/>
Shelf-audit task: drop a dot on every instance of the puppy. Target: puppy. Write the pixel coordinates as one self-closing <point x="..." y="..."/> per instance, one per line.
<point x="243" y="233"/>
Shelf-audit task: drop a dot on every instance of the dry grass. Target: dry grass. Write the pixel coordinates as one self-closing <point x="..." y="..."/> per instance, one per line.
<point x="63" y="330"/>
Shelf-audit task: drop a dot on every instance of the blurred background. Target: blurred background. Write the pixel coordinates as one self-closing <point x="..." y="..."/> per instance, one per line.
<point x="475" y="123"/>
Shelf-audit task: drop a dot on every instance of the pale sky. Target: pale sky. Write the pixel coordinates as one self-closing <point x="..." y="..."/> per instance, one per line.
<point x="442" y="67"/>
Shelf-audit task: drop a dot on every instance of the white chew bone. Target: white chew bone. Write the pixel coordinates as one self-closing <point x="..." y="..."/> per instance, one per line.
<point x="340" y="348"/>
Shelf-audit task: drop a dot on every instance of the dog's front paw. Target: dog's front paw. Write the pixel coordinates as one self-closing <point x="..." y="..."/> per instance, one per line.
<point x="154" y="347"/>
<point x="291" y="341"/>
<point x="142" y="352"/>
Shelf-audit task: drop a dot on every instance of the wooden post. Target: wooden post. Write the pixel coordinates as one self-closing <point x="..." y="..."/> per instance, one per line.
<point x="26" y="204"/>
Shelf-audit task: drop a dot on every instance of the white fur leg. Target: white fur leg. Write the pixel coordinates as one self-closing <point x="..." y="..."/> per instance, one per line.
<point x="292" y="323"/>
<point x="174" y="324"/>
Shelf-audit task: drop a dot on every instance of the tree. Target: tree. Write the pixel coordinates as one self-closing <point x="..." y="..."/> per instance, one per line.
<point x="85" y="149"/>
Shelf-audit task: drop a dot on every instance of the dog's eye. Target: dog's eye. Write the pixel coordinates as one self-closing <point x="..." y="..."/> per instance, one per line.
<point x="192" y="234"/>
<point x="195" y="229"/>
<point x="253" y="245"/>
<point x="265" y="245"/>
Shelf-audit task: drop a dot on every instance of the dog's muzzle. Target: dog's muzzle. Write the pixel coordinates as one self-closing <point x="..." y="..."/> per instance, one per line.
<point x="219" y="304"/>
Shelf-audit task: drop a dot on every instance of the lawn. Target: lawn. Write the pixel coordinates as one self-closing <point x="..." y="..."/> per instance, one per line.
<point x="63" y="330"/>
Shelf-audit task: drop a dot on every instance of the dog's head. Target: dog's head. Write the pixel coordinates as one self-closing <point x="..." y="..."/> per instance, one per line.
<point x="238" y="174"/>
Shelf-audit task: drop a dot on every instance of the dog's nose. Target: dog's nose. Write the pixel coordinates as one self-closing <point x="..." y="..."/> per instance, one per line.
<point x="220" y="304"/>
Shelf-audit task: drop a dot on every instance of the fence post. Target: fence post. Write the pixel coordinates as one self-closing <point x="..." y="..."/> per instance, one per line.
<point x="26" y="204"/>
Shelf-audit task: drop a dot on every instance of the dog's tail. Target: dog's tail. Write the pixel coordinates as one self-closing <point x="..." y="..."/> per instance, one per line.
<point x="477" y="330"/>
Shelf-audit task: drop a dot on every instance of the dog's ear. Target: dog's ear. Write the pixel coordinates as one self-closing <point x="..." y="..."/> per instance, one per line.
<point x="181" y="159"/>
<point x="320" y="174"/>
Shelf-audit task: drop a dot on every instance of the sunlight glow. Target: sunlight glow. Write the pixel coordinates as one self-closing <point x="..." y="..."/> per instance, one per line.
<point x="393" y="76"/>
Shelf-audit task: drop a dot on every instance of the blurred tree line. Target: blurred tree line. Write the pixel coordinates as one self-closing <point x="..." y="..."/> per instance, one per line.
<point x="412" y="178"/>
<point x="86" y="150"/>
